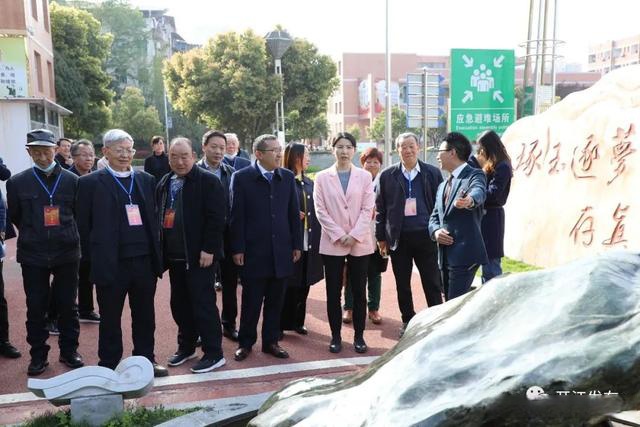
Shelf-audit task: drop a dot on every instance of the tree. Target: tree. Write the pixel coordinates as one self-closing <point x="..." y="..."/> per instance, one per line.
<point x="130" y="114"/>
<point x="127" y="62"/>
<point x="82" y="85"/>
<point x="228" y="84"/>
<point x="309" y="80"/>
<point x="398" y="124"/>
<point x="354" y="130"/>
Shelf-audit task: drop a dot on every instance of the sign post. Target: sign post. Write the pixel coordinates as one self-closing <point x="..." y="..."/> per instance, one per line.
<point x="482" y="91"/>
<point x="424" y="102"/>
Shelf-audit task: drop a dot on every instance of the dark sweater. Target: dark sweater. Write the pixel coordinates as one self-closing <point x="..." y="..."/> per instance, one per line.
<point x="158" y="166"/>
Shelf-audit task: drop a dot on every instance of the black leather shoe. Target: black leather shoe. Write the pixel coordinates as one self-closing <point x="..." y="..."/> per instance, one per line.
<point x="72" y="360"/>
<point x="7" y="350"/>
<point x="335" y="346"/>
<point x="241" y="354"/>
<point x="302" y="330"/>
<point x="160" y="371"/>
<point x="359" y="345"/>
<point x="230" y="333"/>
<point x="36" y="367"/>
<point x="276" y="350"/>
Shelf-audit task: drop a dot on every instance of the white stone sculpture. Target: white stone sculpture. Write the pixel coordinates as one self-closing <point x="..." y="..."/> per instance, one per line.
<point x="133" y="377"/>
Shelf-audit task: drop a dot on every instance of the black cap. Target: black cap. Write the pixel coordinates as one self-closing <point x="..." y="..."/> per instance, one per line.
<point x="41" y="138"/>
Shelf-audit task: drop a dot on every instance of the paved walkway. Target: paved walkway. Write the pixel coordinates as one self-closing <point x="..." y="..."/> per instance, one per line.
<point x="259" y="373"/>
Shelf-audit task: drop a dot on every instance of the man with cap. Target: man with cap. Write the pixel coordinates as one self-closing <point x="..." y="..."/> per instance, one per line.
<point x="116" y="217"/>
<point x="41" y="205"/>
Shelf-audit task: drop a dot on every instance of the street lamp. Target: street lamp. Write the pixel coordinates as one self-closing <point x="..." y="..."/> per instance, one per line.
<point x="278" y="41"/>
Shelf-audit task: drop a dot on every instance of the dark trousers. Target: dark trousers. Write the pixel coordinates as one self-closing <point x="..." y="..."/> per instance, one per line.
<point x="457" y="279"/>
<point x="193" y="306"/>
<point x="63" y="292"/>
<point x="85" y="288"/>
<point x="416" y="247"/>
<point x="374" y="285"/>
<point x="229" y="273"/>
<point x="135" y="278"/>
<point x="294" y="309"/>
<point x="357" y="272"/>
<point x="4" y="311"/>
<point x="255" y="292"/>
<point x="85" y="292"/>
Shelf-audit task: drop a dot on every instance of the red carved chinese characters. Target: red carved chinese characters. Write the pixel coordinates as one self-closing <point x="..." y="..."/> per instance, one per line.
<point x="583" y="228"/>
<point x="553" y="163"/>
<point x="617" y="237"/>
<point x="621" y="150"/>
<point x="528" y="161"/>
<point x="587" y="155"/>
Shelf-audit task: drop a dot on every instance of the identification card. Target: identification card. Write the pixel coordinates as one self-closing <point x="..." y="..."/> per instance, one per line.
<point x="51" y="216"/>
<point x="133" y="215"/>
<point x="410" y="207"/>
<point x="169" y="218"/>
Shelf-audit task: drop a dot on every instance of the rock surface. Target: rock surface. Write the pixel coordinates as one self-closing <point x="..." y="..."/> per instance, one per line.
<point x="471" y="361"/>
<point x="576" y="173"/>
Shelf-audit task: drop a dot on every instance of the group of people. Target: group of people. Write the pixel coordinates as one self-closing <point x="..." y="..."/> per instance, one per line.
<point x="263" y="224"/>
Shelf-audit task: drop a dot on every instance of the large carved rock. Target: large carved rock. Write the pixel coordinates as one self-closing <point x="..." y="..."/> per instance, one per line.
<point x="577" y="168"/>
<point x="477" y="360"/>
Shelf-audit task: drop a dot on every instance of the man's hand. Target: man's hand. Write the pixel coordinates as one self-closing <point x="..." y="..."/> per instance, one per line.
<point x="301" y="215"/>
<point x="383" y="247"/>
<point x="69" y="161"/>
<point x="297" y="253"/>
<point x="465" y="202"/>
<point x="238" y="259"/>
<point x="205" y="259"/>
<point x="347" y="240"/>
<point x="443" y="237"/>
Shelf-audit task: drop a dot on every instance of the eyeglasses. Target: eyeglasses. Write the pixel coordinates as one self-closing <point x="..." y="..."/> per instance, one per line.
<point x="275" y="150"/>
<point x="124" y="152"/>
<point x="85" y="156"/>
<point x="444" y="151"/>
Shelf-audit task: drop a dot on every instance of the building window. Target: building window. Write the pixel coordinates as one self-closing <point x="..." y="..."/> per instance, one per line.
<point x="53" y="118"/>
<point x="38" y="61"/>
<point x="592" y="58"/>
<point x="45" y="14"/>
<point x="52" y="87"/>
<point x="34" y="9"/>
<point x="36" y="112"/>
<point x="339" y="68"/>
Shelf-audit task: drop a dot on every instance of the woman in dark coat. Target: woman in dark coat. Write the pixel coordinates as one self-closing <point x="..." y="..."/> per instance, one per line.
<point x="494" y="160"/>
<point x="308" y="270"/>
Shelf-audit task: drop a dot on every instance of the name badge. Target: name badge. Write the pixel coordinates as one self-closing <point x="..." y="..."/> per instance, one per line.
<point x="169" y="218"/>
<point x="51" y="216"/>
<point x="410" y="207"/>
<point x="133" y="215"/>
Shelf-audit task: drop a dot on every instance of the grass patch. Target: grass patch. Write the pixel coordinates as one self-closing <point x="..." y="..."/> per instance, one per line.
<point x="132" y="417"/>
<point x="513" y="266"/>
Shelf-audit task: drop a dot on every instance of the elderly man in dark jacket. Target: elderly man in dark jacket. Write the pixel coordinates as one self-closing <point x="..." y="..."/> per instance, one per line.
<point x="116" y="215"/>
<point x="267" y="240"/>
<point x="40" y="203"/>
<point x="404" y="202"/>
<point x="214" y="145"/>
<point x="192" y="208"/>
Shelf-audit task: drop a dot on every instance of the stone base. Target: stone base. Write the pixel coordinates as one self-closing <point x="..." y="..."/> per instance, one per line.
<point x="96" y="410"/>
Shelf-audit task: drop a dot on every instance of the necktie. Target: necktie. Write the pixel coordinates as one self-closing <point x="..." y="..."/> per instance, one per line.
<point x="269" y="176"/>
<point x="176" y="186"/>
<point x="447" y="190"/>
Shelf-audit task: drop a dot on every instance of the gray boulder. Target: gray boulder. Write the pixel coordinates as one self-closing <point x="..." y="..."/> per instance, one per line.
<point x="521" y="350"/>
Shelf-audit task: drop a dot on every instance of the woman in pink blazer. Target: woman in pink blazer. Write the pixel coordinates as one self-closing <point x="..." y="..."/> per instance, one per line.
<point x="344" y="201"/>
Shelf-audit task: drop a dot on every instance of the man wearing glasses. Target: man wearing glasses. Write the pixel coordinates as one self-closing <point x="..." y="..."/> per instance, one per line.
<point x="266" y="241"/>
<point x="456" y="217"/>
<point x="115" y="211"/>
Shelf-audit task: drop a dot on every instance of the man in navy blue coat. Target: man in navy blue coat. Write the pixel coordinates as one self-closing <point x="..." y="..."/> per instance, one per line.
<point x="266" y="241"/>
<point x="457" y="215"/>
